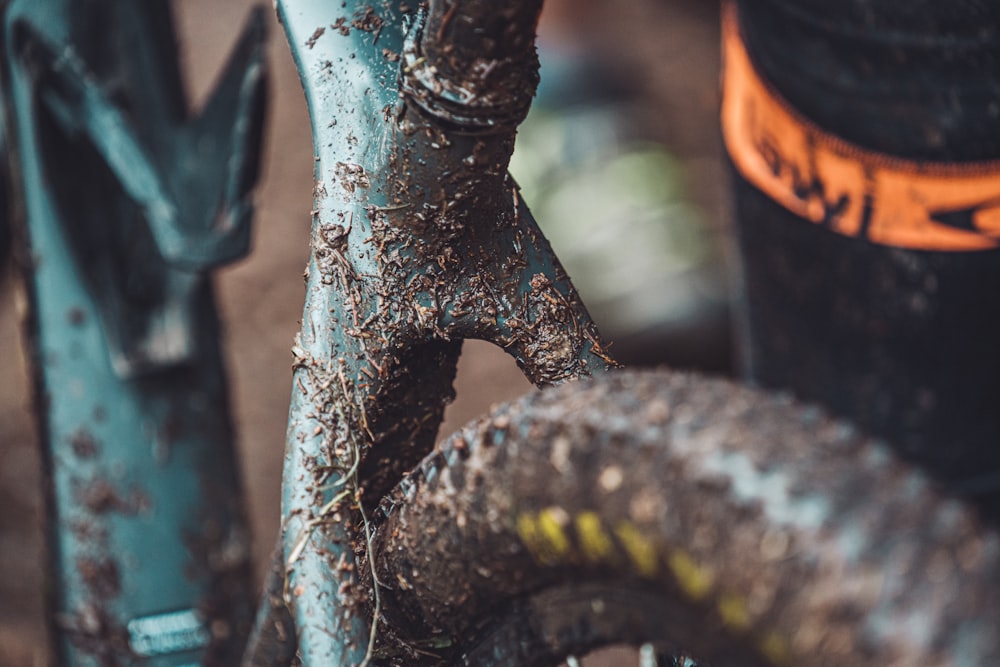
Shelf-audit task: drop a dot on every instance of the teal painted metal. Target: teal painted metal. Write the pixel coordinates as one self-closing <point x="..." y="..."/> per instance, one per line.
<point x="128" y="204"/>
<point x="349" y="85"/>
<point x="419" y="240"/>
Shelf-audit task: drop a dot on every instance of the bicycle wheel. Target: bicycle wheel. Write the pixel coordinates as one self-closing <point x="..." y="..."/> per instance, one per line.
<point x="717" y="522"/>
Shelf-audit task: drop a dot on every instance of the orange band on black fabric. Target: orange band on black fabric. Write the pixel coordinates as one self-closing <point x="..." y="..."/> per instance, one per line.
<point x="850" y="190"/>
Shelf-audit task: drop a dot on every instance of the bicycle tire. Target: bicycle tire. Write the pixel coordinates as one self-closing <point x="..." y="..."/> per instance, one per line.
<point x="766" y="532"/>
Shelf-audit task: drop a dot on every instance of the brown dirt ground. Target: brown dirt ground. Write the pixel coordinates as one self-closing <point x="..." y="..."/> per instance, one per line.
<point x="671" y="48"/>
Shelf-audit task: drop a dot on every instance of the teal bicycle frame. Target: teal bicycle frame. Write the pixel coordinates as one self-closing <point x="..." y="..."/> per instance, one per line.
<point x="419" y="240"/>
<point x="126" y="204"/>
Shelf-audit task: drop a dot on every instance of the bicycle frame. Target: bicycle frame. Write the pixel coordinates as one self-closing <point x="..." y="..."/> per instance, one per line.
<point x="419" y="240"/>
<point x="127" y="205"/>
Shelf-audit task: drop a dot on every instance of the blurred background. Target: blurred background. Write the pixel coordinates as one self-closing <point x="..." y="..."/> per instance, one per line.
<point x="620" y="160"/>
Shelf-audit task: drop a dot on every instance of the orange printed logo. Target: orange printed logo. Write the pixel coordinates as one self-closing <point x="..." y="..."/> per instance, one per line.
<point x="845" y="188"/>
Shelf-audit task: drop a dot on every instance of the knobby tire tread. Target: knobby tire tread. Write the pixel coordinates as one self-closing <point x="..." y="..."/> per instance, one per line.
<point x="770" y="533"/>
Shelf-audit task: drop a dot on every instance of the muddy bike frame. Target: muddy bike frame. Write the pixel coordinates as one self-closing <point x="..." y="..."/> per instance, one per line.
<point x="125" y="203"/>
<point x="419" y="240"/>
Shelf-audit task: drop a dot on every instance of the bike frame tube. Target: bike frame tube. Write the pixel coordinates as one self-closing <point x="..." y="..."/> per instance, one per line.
<point x="149" y="552"/>
<point x="419" y="240"/>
